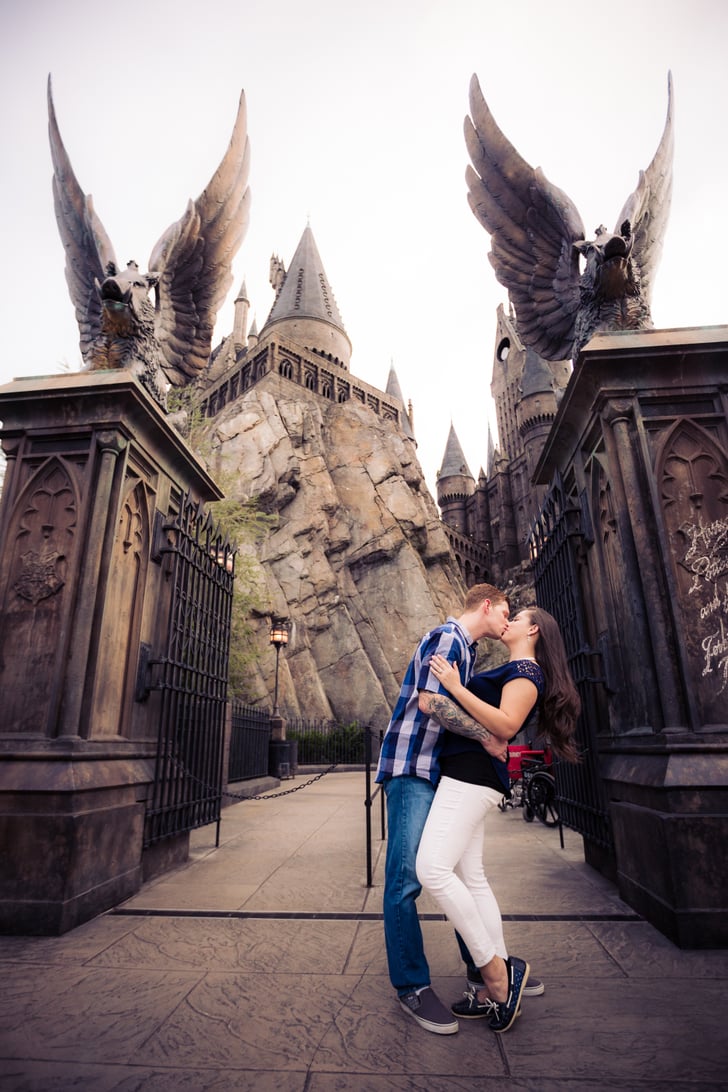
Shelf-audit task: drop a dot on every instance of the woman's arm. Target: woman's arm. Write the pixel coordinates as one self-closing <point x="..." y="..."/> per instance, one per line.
<point x="504" y="722"/>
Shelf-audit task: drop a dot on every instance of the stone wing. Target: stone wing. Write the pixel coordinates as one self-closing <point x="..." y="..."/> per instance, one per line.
<point x="194" y="261"/>
<point x="88" y="249"/>
<point x="648" y="208"/>
<point x="533" y="226"/>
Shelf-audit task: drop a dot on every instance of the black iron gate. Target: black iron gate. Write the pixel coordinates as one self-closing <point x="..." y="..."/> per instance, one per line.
<point x="192" y="675"/>
<point x="559" y="535"/>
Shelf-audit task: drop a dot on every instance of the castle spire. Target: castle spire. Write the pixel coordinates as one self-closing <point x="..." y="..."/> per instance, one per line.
<point x="453" y="461"/>
<point x="305" y="309"/>
<point x="455" y="485"/>
<point x="240" y="322"/>
<point x="395" y="391"/>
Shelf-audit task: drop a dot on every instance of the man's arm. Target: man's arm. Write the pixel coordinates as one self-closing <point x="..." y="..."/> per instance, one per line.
<point x="450" y="715"/>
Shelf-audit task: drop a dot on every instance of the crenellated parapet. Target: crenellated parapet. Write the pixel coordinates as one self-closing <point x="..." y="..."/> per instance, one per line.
<point x="308" y="368"/>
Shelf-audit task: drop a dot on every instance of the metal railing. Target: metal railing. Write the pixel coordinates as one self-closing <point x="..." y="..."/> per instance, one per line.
<point x="249" y="741"/>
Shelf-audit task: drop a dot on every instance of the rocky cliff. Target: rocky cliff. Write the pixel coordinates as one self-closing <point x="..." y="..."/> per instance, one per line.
<point x="358" y="561"/>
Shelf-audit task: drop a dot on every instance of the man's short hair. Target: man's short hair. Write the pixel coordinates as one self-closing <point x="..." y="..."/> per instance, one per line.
<point x="479" y="592"/>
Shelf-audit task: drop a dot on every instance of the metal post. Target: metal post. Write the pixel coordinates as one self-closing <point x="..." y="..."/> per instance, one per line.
<point x="275" y="691"/>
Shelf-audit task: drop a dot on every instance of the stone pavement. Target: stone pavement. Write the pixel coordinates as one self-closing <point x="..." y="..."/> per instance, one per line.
<point x="260" y="965"/>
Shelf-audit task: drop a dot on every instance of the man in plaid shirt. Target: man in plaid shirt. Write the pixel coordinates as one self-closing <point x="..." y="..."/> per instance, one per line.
<point x="409" y="771"/>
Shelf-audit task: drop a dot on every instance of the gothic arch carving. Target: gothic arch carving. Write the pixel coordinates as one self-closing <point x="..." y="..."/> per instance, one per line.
<point x="42" y="534"/>
<point x="41" y="542"/>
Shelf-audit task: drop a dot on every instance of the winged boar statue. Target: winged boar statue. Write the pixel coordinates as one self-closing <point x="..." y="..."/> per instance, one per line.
<point x="563" y="287"/>
<point x="167" y="341"/>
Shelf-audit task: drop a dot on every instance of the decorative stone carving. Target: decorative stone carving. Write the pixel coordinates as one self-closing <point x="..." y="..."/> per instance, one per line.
<point x="538" y="238"/>
<point x="40" y="575"/>
<point x="189" y="268"/>
<point x="41" y="543"/>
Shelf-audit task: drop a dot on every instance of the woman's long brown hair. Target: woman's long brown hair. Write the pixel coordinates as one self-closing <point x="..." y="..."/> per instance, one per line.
<point x="560" y="703"/>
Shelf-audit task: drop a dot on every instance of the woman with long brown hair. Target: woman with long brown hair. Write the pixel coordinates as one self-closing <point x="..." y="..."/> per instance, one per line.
<point x="450" y="855"/>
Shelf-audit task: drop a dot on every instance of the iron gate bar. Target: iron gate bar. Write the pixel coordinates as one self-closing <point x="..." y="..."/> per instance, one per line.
<point x="192" y="676"/>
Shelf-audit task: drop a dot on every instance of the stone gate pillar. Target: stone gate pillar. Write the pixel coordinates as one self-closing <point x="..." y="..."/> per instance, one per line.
<point x="641" y="439"/>
<point x="91" y="459"/>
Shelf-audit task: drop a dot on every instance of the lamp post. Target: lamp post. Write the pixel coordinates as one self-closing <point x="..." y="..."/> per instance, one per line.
<point x="279" y="762"/>
<point x="278" y="637"/>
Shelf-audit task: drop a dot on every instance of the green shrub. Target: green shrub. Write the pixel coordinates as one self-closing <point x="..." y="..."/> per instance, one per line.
<point x="325" y="744"/>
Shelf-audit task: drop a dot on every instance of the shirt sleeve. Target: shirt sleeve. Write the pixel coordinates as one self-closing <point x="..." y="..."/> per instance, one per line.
<point x="448" y="646"/>
<point x="526" y="669"/>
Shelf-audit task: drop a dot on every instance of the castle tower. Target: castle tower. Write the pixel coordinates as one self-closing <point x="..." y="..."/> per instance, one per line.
<point x="240" y="322"/>
<point x="303" y="341"/>
<point x="496" y="514"/>
<point x="505" y="381"/>
<point x="526" y="390"/>
<point x="536" y="408"/>
<point x="455" y="485"/>
<point x="305" y="311"/>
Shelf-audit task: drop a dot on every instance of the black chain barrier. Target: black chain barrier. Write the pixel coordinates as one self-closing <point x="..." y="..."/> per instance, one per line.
<point x="284" y="792"/>
<point x="241" y="796"/>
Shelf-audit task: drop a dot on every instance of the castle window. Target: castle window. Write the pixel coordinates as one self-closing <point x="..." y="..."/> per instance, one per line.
<point x="310" y="381"/>
<point x="502" y="350"/>
<point x="286" y="369"/>
<point x="326" y="389"/>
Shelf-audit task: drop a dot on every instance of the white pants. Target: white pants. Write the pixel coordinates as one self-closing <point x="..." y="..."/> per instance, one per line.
<point x="450" y="865"/>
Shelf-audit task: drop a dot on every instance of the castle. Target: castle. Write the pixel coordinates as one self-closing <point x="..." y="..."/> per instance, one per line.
<point x="487" y="521"/>
<point x="303" y="340"/>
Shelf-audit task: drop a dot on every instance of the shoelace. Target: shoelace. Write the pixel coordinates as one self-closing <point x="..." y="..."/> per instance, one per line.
<point x="471" y="996"/>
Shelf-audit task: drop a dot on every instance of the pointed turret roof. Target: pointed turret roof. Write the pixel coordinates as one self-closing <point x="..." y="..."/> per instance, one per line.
<point x="305" y="308"/>
<point x="306" y="292"/>
<point x="393" y="386"/>
<point x="395" y="391"/>
<point x="453" y="461"/>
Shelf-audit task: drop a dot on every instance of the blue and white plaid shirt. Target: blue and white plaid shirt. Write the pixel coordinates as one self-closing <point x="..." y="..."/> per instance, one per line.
<point x="411" y="744"/>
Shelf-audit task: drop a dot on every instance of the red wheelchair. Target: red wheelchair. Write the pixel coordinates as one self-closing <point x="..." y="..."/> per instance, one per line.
<point x="533" y="787"/>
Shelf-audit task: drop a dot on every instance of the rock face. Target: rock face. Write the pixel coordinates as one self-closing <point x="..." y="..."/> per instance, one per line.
<point x="358" y="562"/>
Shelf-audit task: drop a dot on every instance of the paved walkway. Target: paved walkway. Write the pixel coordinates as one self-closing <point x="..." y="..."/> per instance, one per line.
<point x="260" y="965"/>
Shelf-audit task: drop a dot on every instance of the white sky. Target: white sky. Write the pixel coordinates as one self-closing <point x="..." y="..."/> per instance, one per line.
<point x="355" y="119"/>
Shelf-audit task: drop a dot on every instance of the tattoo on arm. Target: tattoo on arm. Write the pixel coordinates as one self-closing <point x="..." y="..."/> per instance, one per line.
<point x="449" y="714"/>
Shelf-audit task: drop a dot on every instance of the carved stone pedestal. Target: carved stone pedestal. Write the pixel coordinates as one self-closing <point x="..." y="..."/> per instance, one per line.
<point x="640" y="450"/>
<point x="92" y="463"/>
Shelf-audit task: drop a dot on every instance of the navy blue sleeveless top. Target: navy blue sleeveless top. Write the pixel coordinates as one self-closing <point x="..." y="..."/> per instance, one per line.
<point x="464" y="759"/>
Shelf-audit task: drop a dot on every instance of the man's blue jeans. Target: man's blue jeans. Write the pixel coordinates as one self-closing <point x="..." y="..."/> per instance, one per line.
<point x="408" y="803"/>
